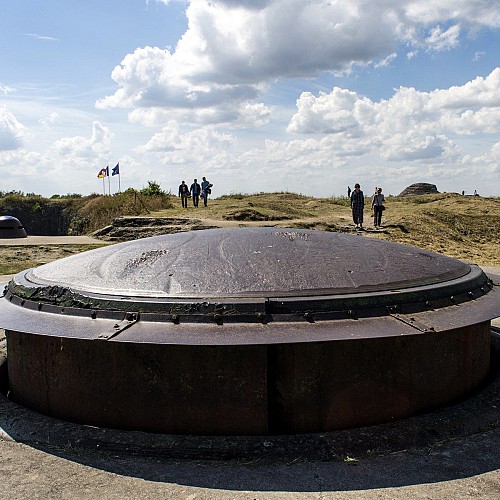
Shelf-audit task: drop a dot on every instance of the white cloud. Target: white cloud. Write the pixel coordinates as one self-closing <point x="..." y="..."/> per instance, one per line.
<point x="386" y="61"/>
<point x="440" y="40"/>
<point x="409" y="126"/>
<point x="176" y="146"/>
<point x="328" y="113"/>
<point x="474" y="12"/>
<point x="478" y="92"/>
<point x="69" y="164"/>
<point x="12" y="132"/>
<point x="94" y="147"/>
<point x="42" y="37"/>
<point x="478" y="55"/>
<point x="6" y="90"/>
<point x="51" y="119"/>
<point x="233" y="49"/>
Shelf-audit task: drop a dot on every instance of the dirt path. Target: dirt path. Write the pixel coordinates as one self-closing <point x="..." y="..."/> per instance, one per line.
<point x="50" y="240"/>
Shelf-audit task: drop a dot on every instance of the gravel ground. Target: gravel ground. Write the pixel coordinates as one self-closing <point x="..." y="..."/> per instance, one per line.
<point x="458" y="469"/>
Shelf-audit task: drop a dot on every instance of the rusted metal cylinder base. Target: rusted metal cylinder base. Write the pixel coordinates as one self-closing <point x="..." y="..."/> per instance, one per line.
<point x="245" y="389"/>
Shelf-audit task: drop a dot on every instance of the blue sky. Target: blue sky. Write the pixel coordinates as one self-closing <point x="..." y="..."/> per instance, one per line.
<point x="262" y="95"/>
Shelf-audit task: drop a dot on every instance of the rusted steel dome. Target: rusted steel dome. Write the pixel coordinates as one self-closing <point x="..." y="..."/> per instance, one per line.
<point x="10" y="227"/>
<point x="247" y="331"/>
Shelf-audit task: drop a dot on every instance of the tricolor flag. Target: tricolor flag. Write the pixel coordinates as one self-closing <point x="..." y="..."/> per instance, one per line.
<point x="102" y="173"/>
<point x="116" y="170"/>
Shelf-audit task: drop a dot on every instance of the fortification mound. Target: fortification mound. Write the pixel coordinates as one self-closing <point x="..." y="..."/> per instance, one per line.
<point x="418" y="189"/>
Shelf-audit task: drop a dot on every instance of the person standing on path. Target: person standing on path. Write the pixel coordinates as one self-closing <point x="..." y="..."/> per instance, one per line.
<point x="378" y="207"/>
<point x="357" y="206"/>
<point x="184" y="194"/>
<point x="195" y="191"/>
<point x="205" y="190"/>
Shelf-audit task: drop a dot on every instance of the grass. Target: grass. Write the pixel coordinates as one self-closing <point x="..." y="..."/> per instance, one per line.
<point x="14" y="259"/>
<point x="463" y="227"/>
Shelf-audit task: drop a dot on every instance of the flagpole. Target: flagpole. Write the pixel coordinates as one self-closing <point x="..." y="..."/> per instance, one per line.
<point x="109" y="181"/>
<point x="119" y="184"/>
<point x="103" y="187"/>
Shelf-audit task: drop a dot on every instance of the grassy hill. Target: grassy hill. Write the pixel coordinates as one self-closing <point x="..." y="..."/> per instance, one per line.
<point x="462" y="227"/>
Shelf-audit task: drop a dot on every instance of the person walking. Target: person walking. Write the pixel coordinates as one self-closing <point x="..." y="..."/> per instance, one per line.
<point x="206" y="189"/>
<point x="357" y="206"/>
<point x="184" y="194"/>
<point x="195" y="191"/>
<point x="378" y="207"/>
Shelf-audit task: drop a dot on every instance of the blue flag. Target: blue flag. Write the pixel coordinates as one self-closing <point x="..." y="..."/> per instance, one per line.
<point x="116" y="170"/>
<point x="107" y="171"/>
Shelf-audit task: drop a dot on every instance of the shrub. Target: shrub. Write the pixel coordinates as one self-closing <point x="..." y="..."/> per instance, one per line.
<point x="153" y="189"/>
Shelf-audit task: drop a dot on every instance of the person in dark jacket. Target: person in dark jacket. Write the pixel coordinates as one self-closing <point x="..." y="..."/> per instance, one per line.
<point x="184" y="194"/>
<point x="357" y="206"/>
<point x="195" y="191"/>
<point x="206" y="189"/>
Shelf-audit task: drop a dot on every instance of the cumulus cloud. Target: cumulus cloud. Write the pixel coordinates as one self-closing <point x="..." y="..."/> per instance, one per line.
<point x="84" y="147"/>
<point x="69" y="164"/>
<point x="233" y="49"/>
<point x="12" y="132"/>
<point x="411" y="125"/>
<point x="179" y="147"/>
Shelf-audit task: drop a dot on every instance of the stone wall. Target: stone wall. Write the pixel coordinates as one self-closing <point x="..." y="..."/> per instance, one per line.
<point x="41" y="217"/>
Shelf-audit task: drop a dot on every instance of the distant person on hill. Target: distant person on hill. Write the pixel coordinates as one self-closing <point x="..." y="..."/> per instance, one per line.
<point x="184" y="194"/>
<point x="475" y="193"/>
<point x="206" y="189"/>
<point x="348" y="191"/>
<point x="378" y="207"/>
<point x="195" y="191"/>
<point x="357" y="206"/>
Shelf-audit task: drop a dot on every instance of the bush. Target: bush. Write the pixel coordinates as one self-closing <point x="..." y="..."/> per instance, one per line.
<point x="65" y="196"/>
<point x="153" y="189"/>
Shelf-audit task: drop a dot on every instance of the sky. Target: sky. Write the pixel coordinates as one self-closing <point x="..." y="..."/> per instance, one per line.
<point x="305" y="96"/>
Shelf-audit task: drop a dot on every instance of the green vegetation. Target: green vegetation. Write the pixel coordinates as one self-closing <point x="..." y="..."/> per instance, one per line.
<point x="65" y="196"/>
<point x="100" y="211"/>
<point x="83" y="213"/>
<point x="153" y="189"/>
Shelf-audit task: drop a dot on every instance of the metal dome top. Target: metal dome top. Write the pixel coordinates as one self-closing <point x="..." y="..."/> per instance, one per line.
<point x="250" y="276"/>
<point x="246" y="263"/>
